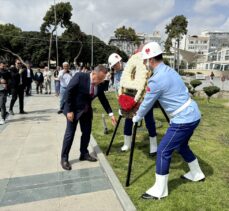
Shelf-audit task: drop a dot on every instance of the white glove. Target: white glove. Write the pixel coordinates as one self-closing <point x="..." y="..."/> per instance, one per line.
<point x="136" y="119"/>
<point x="119" y="112"/>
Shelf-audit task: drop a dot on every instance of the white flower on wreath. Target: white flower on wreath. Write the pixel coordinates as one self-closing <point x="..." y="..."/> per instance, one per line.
<point x="136" y="68"/>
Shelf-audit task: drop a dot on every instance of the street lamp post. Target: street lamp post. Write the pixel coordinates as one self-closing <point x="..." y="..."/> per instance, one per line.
<point x="57" y="56"/>
<point x="178" y="55"/>
<point x="92" y="48"/>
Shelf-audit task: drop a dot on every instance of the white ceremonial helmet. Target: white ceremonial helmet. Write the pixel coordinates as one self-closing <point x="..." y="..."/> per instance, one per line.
<point x="113" y="59"/>
<point x="151" y="50"/>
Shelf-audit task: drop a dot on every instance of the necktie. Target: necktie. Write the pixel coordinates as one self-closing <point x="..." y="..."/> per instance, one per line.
<point x="92" y="91"/>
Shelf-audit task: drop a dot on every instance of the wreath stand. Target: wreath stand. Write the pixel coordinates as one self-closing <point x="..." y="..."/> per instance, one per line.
<point x="157" y="104"/>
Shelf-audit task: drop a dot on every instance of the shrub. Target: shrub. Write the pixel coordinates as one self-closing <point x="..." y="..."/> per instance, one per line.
<point x="183" y="73"/>
<point x="190" y="74"/>
<point x="190" y="89"/>
<point x="195" y="83"/>
<point x="211" y="90"/>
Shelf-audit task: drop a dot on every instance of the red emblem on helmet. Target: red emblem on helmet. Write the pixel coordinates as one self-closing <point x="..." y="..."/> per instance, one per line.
<point x="147" y="89"/>
<point x="147" y="50"/>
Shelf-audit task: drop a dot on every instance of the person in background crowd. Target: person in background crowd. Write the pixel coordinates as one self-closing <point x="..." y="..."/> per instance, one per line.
<point x="47" y="80"/>
<point x="17" y="86"/>
<point x="64" y="77"/>
<point x="29" y="79"/>
<point x="57" y="81"/>
<point x="4" y="79"/>
<point x="212" y="75"/>
<point x="39" y="79"/>
<point x="223" y="78"/>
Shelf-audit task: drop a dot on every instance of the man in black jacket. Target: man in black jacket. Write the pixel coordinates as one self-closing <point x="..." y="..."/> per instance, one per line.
<point x="17" y="86"/>
<point x="39" y="79"/>
<point x="81" y="90"/>
<point x="4" y="79"/>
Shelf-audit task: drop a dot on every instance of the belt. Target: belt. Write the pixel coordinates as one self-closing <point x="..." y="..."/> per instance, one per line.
<point x="184" y="106"/>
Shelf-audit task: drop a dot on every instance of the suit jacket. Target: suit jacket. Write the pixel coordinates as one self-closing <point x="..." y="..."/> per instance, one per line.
<point x="77" y="96"/>
<point x="16" y="78"/>
<point x="40" y="78"/>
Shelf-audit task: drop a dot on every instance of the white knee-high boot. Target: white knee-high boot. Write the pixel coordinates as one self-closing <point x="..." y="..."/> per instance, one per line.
<point x="153" y="145"/>
<point x="159" y="189"/>
<point x="127" y="143"/>
<point x="195" y="174"/>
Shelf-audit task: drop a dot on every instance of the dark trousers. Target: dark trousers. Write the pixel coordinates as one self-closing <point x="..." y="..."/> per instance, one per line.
<point x="3" y="97"/>
<point x="150" y="125"/>
<point x="85" y="126"/>
<point x="39" y="85"/>
<point x="17" y="92"/>
<point x="28" y="86"/>
<point x="176" y="138"/>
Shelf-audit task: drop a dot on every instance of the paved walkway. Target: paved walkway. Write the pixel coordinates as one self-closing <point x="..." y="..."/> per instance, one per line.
<point x="31" y="177"/>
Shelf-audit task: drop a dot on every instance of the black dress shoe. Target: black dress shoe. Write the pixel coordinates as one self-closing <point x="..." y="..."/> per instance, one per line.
<point x="60" y="112"/>
<point x="66" y="165"/>
<point x="11" y="112"/>
<point x="182" y="177"/>
<point x="152" y="154"/>
<point x="147" y="196"/>
<point x="87" y="157"/>
<point x="23" y="112"/>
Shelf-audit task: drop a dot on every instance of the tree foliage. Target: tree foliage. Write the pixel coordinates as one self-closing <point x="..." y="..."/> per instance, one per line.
<point x="175" y="30"/>
<point x="63" y="16"/>
<point x="127" y="34"/>
<point x="34" y="45"/>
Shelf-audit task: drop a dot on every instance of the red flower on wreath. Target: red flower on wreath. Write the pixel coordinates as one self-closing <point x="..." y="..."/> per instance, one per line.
<point x="147" y="50"/>
<point x="126" y="102"/>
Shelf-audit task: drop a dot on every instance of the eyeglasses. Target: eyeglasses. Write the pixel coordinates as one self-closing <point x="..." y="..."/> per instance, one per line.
<point x="19" y="63"/>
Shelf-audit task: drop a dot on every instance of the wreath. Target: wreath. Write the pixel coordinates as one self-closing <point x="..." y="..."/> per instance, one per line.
<point x="132" y="85"/>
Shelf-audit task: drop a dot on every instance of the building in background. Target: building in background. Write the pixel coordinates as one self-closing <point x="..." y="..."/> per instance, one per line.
<point x="211" y="49"/>
<point x="128" y="46"/>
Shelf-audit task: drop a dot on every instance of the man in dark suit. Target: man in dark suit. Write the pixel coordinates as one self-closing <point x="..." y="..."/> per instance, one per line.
<point x="17" y="86"/>
<point x="81" y="90"/>
<point x="29" y="79"/>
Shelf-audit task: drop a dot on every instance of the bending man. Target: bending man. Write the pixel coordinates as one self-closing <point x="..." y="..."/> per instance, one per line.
<point x="81" y="90"/>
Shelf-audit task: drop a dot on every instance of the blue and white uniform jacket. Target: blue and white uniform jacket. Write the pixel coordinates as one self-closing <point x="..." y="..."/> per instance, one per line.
<point x="166" y="86"/>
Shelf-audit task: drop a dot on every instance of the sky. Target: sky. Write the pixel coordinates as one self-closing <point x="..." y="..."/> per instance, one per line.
<point x="145" y="16"/>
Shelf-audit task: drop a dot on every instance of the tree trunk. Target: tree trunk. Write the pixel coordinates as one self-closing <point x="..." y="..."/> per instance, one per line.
<point x="81" y="46"/>
<point x="14" y="54"/>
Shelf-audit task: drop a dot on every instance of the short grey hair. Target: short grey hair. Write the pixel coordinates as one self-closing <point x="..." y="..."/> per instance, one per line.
<point x="65" y="63"/>
<point x="100" y="68"/>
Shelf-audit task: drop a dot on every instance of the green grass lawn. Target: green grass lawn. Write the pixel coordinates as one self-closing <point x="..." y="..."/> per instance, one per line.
<point x="210" y="143"/>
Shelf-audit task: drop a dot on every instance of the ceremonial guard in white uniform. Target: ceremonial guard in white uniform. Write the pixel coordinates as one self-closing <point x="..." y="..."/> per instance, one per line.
<point x="166" y="86"/>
